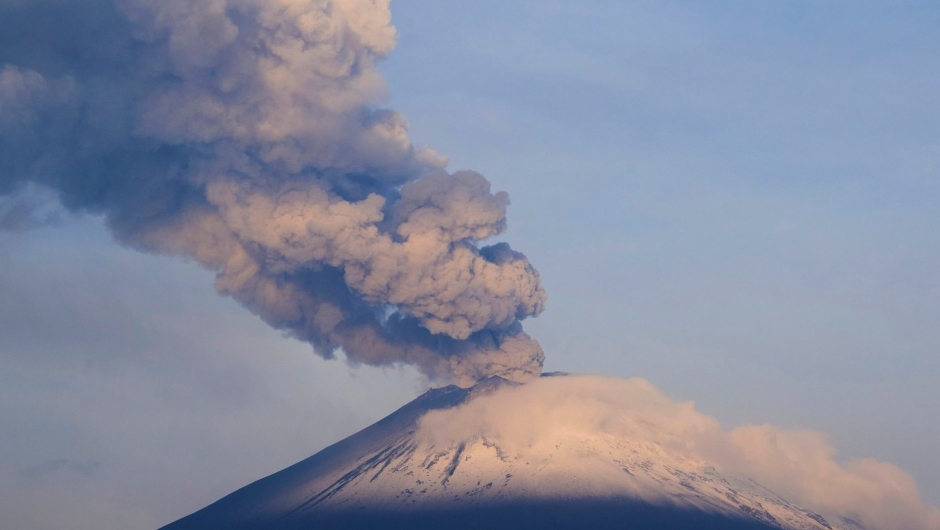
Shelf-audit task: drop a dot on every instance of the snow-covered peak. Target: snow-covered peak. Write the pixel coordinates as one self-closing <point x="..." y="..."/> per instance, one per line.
<point x="572" y="446"/>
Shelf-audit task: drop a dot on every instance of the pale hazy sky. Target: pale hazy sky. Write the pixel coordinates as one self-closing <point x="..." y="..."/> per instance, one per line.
<point x="736" y="201"/>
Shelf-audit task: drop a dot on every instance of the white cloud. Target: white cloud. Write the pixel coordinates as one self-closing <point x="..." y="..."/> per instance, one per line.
<point x="529" y="420"/>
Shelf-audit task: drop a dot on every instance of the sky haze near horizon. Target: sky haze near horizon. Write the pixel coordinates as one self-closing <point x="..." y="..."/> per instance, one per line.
<point x="737" y="202"/>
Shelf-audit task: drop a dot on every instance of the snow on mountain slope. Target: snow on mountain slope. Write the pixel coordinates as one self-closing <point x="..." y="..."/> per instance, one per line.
<point x="409" y="473"/>
<point x="461" y="453"/>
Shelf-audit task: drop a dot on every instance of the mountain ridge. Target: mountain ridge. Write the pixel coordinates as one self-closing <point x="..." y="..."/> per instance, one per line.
<point x="388" y="476"/>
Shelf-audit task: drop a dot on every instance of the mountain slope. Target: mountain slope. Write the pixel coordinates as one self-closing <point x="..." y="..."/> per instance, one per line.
<point x="392" y="475"/>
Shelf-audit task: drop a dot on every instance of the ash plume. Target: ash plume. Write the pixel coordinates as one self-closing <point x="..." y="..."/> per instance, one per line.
<point x="247" y="135"/>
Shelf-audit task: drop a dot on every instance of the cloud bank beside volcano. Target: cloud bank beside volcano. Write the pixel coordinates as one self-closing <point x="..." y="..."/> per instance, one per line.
<point x="531" y="421"/>
<point x="248" y="136"/>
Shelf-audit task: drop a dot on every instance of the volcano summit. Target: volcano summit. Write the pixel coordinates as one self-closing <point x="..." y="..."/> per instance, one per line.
<point x="568" y="452"/>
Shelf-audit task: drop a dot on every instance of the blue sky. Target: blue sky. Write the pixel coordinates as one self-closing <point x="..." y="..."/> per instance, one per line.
<point x="737" y="201"/>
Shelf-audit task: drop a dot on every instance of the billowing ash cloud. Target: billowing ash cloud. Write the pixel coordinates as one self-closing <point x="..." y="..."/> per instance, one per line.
<point x="245" y="135"/>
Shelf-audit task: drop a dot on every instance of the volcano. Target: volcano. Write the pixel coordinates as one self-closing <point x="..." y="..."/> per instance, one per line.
<point x="394" y="474"/>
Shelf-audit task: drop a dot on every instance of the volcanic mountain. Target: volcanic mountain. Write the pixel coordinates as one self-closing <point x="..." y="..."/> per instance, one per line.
<point x="439" y="463"/>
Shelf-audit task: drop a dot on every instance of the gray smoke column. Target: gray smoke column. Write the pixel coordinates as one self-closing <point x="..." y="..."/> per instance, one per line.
<point x="247" y="135"/>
